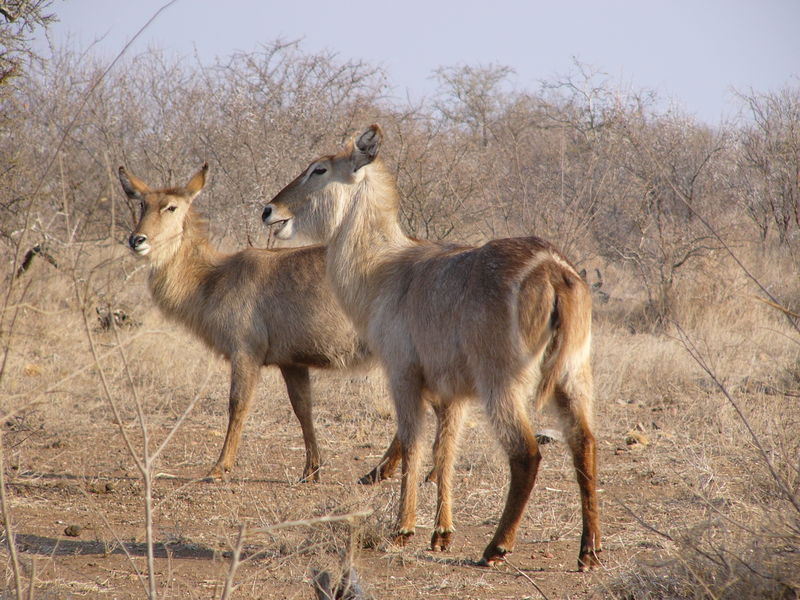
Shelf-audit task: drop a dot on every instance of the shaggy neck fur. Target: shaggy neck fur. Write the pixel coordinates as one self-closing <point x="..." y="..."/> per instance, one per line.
<point x="177" y="274"/>
<point x="368" y="234"/>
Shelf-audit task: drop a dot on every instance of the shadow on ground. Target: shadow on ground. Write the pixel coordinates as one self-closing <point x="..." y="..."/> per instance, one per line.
<point x="48" y="546"/>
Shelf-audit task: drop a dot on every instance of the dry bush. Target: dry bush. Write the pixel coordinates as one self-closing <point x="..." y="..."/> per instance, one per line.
<point x="769" y="163"/>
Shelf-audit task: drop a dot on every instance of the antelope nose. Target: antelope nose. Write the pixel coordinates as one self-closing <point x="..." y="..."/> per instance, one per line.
<point x="136" y="240"/>
<point x="267" y="213"/>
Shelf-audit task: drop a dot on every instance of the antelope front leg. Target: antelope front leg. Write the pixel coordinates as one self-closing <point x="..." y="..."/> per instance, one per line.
<point x="244" y="377"/>
<point x="298" y="386"/>
<point x="449" y="417"/>
<point x="407" y="517"/>
<point x="407" y="395"/>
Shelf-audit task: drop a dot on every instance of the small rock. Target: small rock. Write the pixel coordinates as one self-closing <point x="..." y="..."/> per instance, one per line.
<point x="32" y="370"/>
<point x="72" y="530"/>
<point x="370" y="540"/>
<point x="101" y="488"/>
<point x="633" y="438"/>
<point x="347" y="588"/>
<point x="545" y="436"/>
<point x="619" y="451"/>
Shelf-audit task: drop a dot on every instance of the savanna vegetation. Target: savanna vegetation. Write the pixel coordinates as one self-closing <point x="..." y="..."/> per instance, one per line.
<point x="688" y="232"/>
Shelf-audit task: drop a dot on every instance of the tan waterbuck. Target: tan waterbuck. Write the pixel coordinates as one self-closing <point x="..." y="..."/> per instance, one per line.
<point x="451" y="322"/>
<point x="255" y="307"/>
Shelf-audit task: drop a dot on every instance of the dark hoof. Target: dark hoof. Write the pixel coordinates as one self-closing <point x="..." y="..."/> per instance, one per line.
<point x="589" y="560"/>
<point x="370" y="478"/>
<point x="441" y="540"/>
<point x="402" y="537"/>
<point x="215" y="475"/>
<point x="310" y="476"/>
<point x="373" y="477"/>
<point x="493" y="555"/>
<point x="432" y="477"/>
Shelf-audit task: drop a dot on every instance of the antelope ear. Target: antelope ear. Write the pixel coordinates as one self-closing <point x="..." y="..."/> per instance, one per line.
<point x="198" y="182"/>
<point x="366" y="147"/>
<point x="133" y="186"/>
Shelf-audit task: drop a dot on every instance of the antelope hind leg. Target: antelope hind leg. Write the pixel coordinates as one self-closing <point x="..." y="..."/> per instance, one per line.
<point x="576" y="425"/>
<point x="510" y="420"/>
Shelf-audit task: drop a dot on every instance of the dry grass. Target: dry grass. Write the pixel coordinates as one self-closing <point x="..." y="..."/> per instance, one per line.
<point x="695" y="513"/>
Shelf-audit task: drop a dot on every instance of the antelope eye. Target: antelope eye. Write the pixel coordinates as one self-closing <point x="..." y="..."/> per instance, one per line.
<point x="319" y="170"/>
<point x="172" y="208"/>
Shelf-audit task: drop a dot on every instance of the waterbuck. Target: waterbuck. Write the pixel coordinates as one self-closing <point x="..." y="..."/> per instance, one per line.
<point x="451" y="322"/>
<point x="255" y="307"/>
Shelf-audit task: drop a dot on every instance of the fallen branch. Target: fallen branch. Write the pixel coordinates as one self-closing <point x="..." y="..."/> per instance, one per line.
<point x="37" y="250"/>
<point x="777" y="306"/>
<point x="349" y="517"/>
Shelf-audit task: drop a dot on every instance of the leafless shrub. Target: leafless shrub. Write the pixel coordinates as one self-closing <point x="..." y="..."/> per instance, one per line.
<point x="769" y="162"/>
<point x="473" y="98"/>
<point x="18" y="20"/>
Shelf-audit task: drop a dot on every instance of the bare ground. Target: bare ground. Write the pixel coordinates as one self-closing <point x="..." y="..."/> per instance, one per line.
<point x="76" y="471"/>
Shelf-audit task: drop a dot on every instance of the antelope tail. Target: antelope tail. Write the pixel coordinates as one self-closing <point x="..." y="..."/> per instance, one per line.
<point x="568" y="330"/>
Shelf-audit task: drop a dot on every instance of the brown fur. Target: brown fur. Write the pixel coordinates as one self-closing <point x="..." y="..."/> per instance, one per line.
<point x="451" y="322"/>
<point x="255" y="307"/>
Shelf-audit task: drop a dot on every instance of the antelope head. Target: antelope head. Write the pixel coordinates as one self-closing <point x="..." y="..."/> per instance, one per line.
<point x="160" y="229"/>
<point x="313" y="205"/>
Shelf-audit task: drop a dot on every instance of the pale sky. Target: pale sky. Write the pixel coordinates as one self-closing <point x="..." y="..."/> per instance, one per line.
<point x="692" y="52"/>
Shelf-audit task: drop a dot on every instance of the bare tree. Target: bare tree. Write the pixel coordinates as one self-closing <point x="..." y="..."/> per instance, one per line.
<point x="471" y="96"/>
<point x="18" y="20"/>
<point x="770" y="161"/>
<point x="670" y="160"/>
